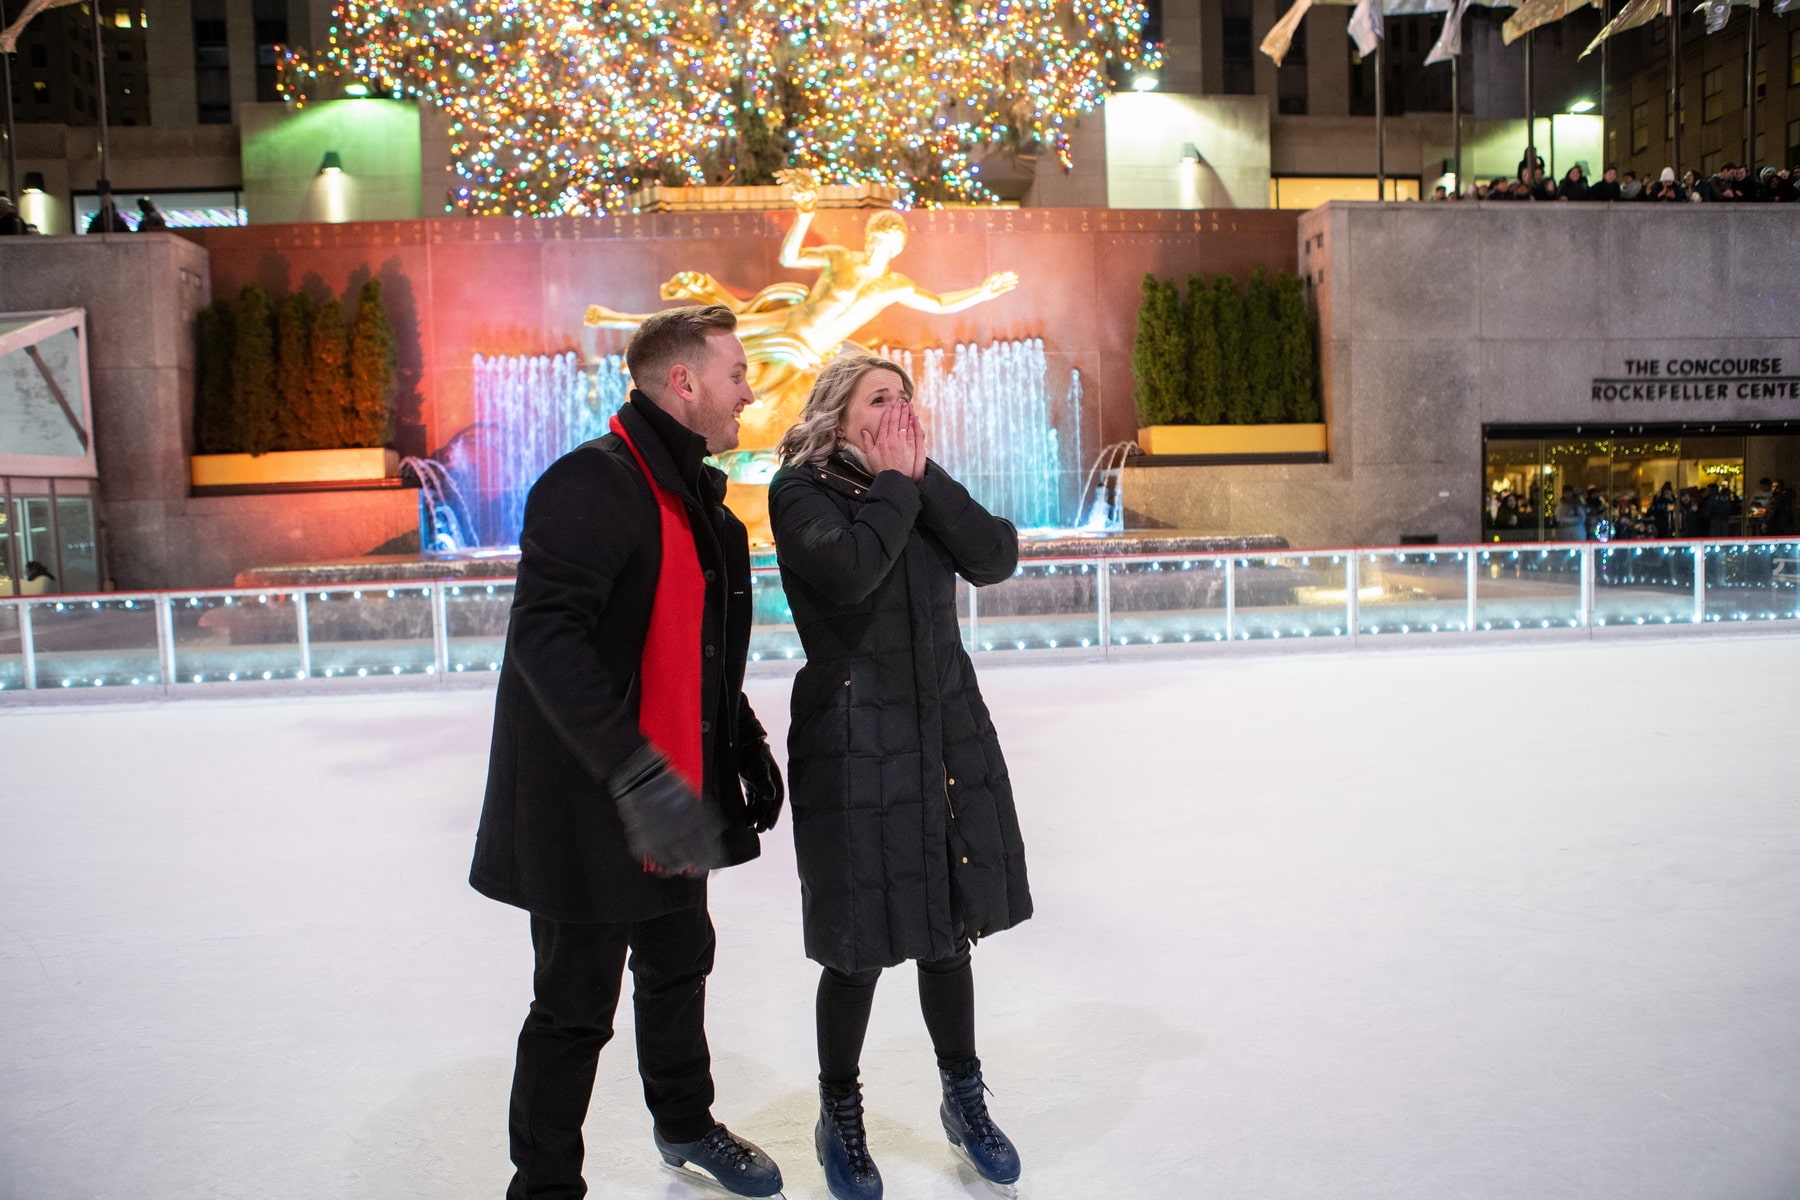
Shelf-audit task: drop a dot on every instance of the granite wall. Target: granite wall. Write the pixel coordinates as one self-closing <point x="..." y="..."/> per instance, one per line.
<point x="1438" y="320"/>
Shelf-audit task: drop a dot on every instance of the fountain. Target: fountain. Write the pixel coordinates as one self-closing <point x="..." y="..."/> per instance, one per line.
<point x="990" y="411"/>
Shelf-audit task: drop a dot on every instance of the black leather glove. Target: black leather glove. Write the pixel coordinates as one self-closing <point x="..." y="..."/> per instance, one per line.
<point x="666" y="825"/>
<point x="763" y="792"/>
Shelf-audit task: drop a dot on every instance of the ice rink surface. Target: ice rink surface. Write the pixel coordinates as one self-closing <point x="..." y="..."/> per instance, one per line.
<point x="1432" y="925"/>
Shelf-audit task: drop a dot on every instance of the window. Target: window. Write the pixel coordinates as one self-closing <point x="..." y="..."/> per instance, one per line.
<point x="1793" y="143"/>
<point x="40" y="91"/>
<point x="40" y="56"/>
<point x="270" y="33"/>
<point x="1794" y="57"/>
<point x="1296" y="55"/>
<point x="1640" y="128"/>
<point x="1290" y="89"/>
<point x="212" y="73"/>
<point x="1710" y="163"/>
<point x="1240" y="66"/>
<point x="122" y="19"/>
<point x="1712" y="91"/>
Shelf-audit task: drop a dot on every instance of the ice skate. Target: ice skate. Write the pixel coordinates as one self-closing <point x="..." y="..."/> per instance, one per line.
<point x="843" y="1145"/>
<point x="722" y="1160"/>
<point x="972" y="1132"/>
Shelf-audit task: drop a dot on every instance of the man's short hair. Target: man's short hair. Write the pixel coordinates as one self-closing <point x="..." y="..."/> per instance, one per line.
<point x="675" y="335"/>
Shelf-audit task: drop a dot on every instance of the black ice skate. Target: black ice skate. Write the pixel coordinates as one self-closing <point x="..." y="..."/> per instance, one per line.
<point x="843" y="1146"/>
<point x="972" y="1132"/>
<point x="724" y="1160"/>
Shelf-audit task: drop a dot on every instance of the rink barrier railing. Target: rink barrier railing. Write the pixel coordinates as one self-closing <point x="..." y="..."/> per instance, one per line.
<point x="180" y="641"/>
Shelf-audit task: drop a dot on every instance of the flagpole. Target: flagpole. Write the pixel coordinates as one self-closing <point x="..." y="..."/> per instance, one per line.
<point x="100" y="93"/>
<point x="1456" y="119"/>
<point x="12" y="152"/>
<point x="1675" y="91"/>
<point x="1380" y="127"/>
<point x="1530" y="107"/>
<point x="1605" y="57"/>
<point x="1750" y="100"/>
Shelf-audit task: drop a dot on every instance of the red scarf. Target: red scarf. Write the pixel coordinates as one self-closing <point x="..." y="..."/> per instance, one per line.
<point x="669" y="676"/>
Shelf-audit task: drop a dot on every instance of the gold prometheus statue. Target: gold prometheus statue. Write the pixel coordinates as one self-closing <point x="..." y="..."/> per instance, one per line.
<point x="790" y="330"/>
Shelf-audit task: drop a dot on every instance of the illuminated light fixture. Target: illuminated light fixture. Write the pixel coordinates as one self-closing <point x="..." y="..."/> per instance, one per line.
<point x="331" y="164"/>
<point x="1144" y="83"/>
<point x="358" y="90"/>
<point x="34" y="183"/>
<point x="1190" y="153"/>
<point x="1582" y="106"/>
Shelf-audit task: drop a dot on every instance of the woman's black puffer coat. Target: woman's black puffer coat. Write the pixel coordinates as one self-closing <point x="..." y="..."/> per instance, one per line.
<point x="904" y="823"/>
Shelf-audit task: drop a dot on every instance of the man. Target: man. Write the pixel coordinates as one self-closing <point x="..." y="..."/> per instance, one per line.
<point x="11" y="223"/>
<point x="107" y="218"/>
<point x="150" y="219"/>
<point x="1607" y="188"/>
<point x="620" y="734"/>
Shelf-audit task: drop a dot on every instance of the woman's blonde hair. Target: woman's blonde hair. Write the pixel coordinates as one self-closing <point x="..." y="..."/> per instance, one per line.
<point x="815" y="435"/>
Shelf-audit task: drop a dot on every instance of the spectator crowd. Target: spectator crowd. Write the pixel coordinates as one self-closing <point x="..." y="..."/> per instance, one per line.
<point x="1732" y="184"/>
<point x="1712" y="511"/>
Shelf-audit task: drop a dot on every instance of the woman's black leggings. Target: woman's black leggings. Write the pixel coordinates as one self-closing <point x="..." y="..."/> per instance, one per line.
<point x="946" y="995"/>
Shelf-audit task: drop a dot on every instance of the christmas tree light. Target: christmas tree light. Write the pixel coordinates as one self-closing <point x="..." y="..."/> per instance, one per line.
<point x="566" y="106"/>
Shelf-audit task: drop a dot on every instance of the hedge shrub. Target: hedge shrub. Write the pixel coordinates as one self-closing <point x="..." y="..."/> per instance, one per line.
<point x="1225" y="356"/>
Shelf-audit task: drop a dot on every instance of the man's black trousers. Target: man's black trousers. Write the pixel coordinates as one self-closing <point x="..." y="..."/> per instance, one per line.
<point x="576" y="987"/>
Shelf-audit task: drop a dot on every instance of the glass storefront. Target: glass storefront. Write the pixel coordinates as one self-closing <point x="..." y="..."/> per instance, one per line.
<point x="49" y="541"/>
<point x="1579" y="483"/>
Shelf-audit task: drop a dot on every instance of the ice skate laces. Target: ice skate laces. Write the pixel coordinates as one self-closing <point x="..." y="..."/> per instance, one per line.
<point x="731" y="1152"/>
<point x="968" y="1091"/>
<point x="847" y="1119"/>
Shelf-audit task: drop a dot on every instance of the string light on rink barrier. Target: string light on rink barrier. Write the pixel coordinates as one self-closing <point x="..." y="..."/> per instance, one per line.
<point x="565" y="107"/>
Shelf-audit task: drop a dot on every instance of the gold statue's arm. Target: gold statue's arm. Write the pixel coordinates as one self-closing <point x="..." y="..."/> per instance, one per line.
<point x="700" y="287"/>
<point x="794" y="255"/>
<point x="600" y="317"/>
<point x="917" y="298"/>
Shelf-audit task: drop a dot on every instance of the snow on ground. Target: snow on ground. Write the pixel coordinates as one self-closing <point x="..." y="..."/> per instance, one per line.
<point x="1483" y="923"/>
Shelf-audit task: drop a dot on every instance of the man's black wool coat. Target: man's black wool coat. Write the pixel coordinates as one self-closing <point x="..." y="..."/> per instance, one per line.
<point x="550" y="840"/>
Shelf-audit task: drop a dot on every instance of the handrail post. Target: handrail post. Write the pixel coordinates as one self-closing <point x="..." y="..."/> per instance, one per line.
<point x="165" y="638"/>
<point x="1103" y="603"/>
<point x="1699" y="582"/>
<point x="1352" y="590"/>
<point x="303" y="633"/>
<point x="440" y="630"/>
<point x="1230" y="599"/>
<point x="974" y="618"/>
<point x="1469" y="599"/>
<point x="1588" y="554"/>
<point x="27" y="651"/>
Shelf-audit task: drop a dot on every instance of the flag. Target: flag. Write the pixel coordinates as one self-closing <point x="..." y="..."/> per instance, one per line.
<point x="1276" y="44"/>
<point x="1533" y="13"/>
<point x="1365" y="26"/>
<point x="1718" y="12"/>
<point x="9" y="37"/>
<point x="1635" y="13"/>
<point x="1449" y="43"/>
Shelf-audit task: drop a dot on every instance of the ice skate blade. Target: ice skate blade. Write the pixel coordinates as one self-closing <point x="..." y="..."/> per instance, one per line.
<point x="1009" y="1190"/>
<point x="695" y="1175"/>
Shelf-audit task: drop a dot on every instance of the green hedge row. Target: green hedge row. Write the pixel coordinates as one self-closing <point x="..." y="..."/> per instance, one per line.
<point x="1225" y="357"/>
<point x="294" y="377"/>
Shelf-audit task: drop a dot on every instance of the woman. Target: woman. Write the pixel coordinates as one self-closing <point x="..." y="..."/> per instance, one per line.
<point x="1574" y="185"/>
<point x="904" y="827"/>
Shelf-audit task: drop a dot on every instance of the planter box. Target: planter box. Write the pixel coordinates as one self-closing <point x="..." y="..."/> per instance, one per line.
<point x="657" y="199"/>
<point x="1232" y="439"/>
<point x="292" y="466"/>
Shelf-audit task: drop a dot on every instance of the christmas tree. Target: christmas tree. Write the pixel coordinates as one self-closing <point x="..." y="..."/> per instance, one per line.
<point x="566" y="106"/>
